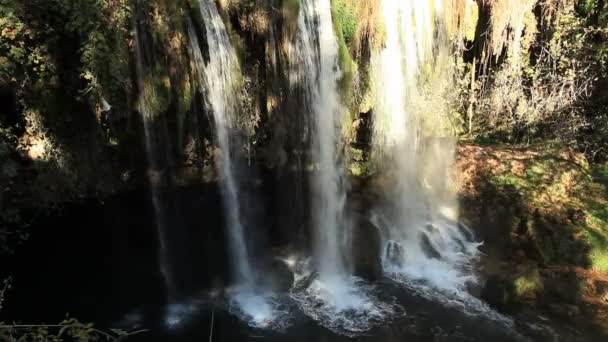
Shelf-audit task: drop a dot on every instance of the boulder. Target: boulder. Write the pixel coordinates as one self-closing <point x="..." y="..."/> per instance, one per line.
<point x="497" y="293"/>
<point x="366" y="249"/>
<point x="427" y="247"/>
<point x="282" y="275"/>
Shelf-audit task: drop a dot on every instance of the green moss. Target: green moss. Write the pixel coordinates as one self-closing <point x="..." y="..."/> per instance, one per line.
<point x="598" y="244"/>
<point x="347" y="65"/>
<point x="291" y="7"/>
<point x="195" y="7"/>
<point x="596" y="221"/>
<point x="186" y="97"/>
<point x="360" y="169"/>
<point x="561" y="186"/>
<point x="358" y="154"/>
<point x="509" y="179"/>
<point x="528" y="284"/>
<point x="346" y="19"/>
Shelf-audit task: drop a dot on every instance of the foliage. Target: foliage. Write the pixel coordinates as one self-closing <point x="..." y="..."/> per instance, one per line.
<point x="69" y="329"/>
<point x="345" y="16"/>
<point x="528" y="284"/>
<point x="345" y="59"/>
<point x="538" y="74"/>
<point x="21" y="57"/>
<point x="61" y="62"/>
<point x="33" y="32"/>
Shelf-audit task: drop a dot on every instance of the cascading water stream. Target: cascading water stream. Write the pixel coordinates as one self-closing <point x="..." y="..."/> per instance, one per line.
<point x="331" y="295"/>
<point x="423" y="241"/>
<point x="157" y="144"/>
<point x="144" y="107"/>
<point x="217" y="76"/>
<point x="319" y="51"/>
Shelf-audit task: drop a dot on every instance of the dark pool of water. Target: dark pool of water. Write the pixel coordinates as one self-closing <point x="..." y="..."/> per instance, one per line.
<point x="99" y="262"/>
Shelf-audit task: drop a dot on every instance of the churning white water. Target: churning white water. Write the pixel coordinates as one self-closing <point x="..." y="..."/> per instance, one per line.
<point x="346" y="306"/>
<point x="423" y="240"/>
<point x="217" y="76"/>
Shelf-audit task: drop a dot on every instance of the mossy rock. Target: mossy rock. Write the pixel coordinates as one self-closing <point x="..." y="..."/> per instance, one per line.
<point x="341" y="14"/>
<point x="528" y="284"/>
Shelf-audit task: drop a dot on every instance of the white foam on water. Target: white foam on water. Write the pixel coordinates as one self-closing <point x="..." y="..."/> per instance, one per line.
<point x="443" y="274"/>
<point x="444" y="254"/>
<point x="259" y="309"/>
<point x="347" y="306"/>
<point x="445" y="279"/>
<point x="450" y="297"/>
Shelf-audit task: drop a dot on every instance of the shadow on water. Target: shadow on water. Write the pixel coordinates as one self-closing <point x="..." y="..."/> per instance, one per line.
<point x="100" y="258"/>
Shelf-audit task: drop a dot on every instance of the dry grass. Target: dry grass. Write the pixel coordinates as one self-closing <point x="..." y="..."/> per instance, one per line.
<point x="553" y="181"/>
<point x="461" y="18"/>
<point x="510" y="27"/>
<point x="370" y="30"/>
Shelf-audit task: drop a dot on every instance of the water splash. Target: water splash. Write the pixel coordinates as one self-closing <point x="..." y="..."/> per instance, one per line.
<point x="346" y="306"/>
<point x="443" y="256"/>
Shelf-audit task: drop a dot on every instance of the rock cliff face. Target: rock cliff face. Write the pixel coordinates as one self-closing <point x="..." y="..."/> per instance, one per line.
<point x="72" y="128"/>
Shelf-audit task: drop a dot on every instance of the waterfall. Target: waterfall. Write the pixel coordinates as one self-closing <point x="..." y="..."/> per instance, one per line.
<point x="422" y="237"/>
<point x="318" y="50"/>
<point x="331" y="295"/>
<point x="218" y="76"/>
<point x="156" y="152"/>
